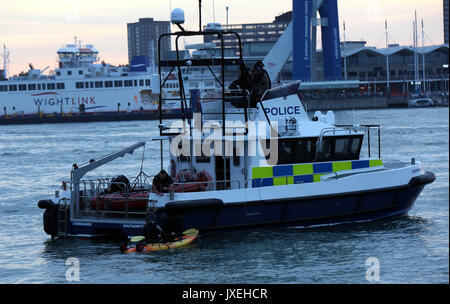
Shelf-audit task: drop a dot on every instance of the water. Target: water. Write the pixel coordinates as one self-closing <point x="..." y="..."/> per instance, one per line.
<point x="410" y="249"/>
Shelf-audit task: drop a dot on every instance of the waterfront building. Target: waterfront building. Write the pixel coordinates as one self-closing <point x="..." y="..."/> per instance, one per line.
<point x="143" y="38"/>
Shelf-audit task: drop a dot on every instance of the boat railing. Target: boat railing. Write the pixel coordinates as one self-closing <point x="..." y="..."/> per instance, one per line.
<point x="96" y="199"/>
<point x="366" y="129"/>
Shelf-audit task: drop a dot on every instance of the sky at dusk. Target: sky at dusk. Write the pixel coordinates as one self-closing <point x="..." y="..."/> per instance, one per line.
<point x="33" y="30"/>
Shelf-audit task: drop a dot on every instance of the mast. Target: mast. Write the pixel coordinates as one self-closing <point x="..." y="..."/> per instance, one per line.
<point x="387" y="59"/>
<point x="200" y="14"/>
<point x="5" y="61"/>
<point x="345" y="57"/>
<point x="416" y="59"/>
<point x="423" y="60"/>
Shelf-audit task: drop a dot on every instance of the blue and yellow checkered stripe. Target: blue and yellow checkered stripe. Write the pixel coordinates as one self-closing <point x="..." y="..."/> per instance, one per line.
<point x="304" y="173"/>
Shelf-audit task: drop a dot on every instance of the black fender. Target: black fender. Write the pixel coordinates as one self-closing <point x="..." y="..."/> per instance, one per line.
<point x="50" y="216"/>
<point x="424" y="179"/>
<point x="46" y="204"/>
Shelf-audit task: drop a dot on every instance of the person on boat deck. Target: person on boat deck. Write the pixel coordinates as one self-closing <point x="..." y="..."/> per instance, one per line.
<point x="261" y="81"/>
<point x="245" y="80"/>
<point x="162" y="183"/>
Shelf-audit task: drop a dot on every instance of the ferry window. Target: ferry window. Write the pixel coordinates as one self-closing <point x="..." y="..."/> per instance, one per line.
<point x="13" y="87"/>
<point x="50" y="86"/>
<point x="38" y="86"/>
<point x="91" y="84"/>
<point x="99" y="84"/>
<point x="60" y="86"/>
<point x="141" y="82"/>
<point x="69" y="72"/>
<point x="108" y="84"/>
<point x="86" y="84"/>
<point x="58" y="73"/>
<point x="43" y="86"/>
<point x="135" y="83"/>
<point x="118" y="83"/>
<point x="32" y="87"/>
<point x="147" y="82"/>
<point x="22" y="87"/>
<point x="80" y="72"/>
<point x="3" y="88"/>
<point x="128" y="83"/>
<point x="79" y="85"/>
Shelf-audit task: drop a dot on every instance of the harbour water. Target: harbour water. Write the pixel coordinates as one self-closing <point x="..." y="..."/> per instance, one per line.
<point x="35" y="159"/>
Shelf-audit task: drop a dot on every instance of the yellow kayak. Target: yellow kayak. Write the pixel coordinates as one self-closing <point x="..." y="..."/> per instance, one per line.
<point x="188" y="237"/>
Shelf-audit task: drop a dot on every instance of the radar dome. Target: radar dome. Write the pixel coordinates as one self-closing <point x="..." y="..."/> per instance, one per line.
<point x="177" y="16"/>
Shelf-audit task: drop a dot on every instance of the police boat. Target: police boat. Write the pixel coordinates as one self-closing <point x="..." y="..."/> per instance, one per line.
<point x="239" y="162"/>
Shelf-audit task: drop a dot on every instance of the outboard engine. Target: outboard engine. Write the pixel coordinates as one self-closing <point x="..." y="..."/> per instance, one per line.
<point x="50" y="217"/>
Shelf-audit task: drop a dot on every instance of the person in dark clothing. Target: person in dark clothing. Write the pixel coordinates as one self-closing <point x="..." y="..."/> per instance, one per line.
<point x="245" y="80"/>
<point x="162" y="183"/>
<point x="261" y="81"/>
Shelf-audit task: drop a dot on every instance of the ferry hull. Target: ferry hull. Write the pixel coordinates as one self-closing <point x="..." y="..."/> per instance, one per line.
<point x="302" y="211"/>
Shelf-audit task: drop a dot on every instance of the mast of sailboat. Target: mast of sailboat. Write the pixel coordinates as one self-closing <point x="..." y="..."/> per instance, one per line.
<point x="423" y="60"/>
<point x="387" y="59"/>
<point x="345" y="57"/>
<point x="416" y="59"/>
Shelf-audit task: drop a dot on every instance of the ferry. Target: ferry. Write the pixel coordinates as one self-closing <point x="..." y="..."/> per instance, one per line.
<point x="236" y="164"/>
<point x="81" y="85"/>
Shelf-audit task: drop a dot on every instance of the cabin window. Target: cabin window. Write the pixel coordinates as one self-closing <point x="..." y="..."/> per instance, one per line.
<point x="99" y="84"/>
<point x="307" y="150"/>
<point x="69" y="73"/>
<point x="118" y="83"/>
<point x="38" y="86"/>
<point x="147" y="82"/>
<point x="108" y="84"/>
<point x="128" y="83"/>
<point x="60" y="86"/>
<point x="50" y="86"/>
<point x="58" y="73"/>
<point x="141" y="82"/>
<point x="3" y="88"/>
<point x="13" y="87"/>
<point x="135" y="83"/>
<point x="80" y="72"/>
<point x="79" y="85"/>
<point x="22" y="87"/>
<point x="32" y="87"/>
